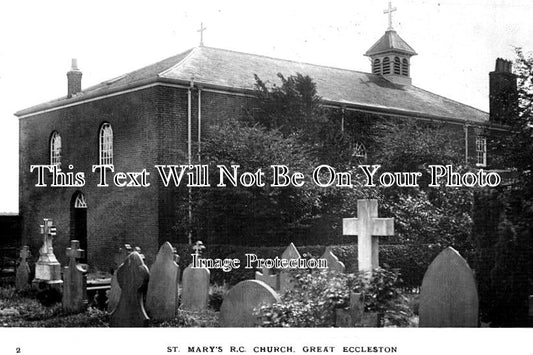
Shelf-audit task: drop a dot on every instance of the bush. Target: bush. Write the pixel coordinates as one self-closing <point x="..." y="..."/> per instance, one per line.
<point x="216" y="297"/>
<point x="316" y="296"/>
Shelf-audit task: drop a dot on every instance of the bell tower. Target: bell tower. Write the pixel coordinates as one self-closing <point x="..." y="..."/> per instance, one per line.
<point x="390" y="56"/>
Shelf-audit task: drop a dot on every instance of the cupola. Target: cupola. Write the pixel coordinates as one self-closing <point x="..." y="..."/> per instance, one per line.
<point x="390" y="56"/>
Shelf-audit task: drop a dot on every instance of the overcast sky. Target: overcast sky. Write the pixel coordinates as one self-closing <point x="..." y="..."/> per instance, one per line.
<point x="457" y="44"/>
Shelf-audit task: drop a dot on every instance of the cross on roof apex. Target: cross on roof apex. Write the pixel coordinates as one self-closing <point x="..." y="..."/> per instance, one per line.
<point x="201" y="30"/>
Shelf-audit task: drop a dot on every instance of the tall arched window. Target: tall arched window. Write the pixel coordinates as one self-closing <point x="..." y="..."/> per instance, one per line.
<point x="397" y="65"/>
<point x="106" y="144"/>
<point x="55" y="149"/>
<point x="405" y="67"/>
<point x="386" y="66"/>
<point x="376" y="67"/>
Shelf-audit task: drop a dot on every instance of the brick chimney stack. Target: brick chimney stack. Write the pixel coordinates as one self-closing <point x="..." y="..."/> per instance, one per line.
<point x="74" y="79"/>
<point x="503" y="94"/>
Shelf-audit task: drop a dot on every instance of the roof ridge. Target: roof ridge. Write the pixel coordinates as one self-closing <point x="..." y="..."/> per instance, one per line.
<point x="112" y="80"/>
<point x="287" y="60"/>
<point x="191" y="52"/>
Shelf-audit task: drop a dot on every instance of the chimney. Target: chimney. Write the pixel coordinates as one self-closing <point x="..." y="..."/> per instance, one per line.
<point x="74" y="79"/>
<point x="503" y="94"/>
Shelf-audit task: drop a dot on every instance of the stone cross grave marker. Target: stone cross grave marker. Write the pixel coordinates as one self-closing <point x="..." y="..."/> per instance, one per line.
<point x="132" y="277"/>
<point x="162" y="294"/>
<point x="286" y="281"/>
<point x="75" y="280"/>
<point x="242" y="300"/>
<point x="23" y="270"/>
<point x="268" y="277"/>
<point x="333" y="262"/>
<point x="47" y="267"/>
<point x="448" y="296"/>
<point x="368" y="227"/>
<point x="195" y="294"/>
<point x="114" y="293"/>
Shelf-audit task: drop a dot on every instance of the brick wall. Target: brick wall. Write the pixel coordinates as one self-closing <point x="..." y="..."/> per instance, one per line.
<point x="114" y="215"/>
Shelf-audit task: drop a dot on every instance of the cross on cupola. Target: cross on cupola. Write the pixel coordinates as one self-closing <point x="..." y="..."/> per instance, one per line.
<point x="201" y="30"/>
<point x="389" y="11"/>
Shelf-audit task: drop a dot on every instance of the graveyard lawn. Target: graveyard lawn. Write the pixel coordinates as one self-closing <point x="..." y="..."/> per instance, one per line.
<point x="24" y="310"/>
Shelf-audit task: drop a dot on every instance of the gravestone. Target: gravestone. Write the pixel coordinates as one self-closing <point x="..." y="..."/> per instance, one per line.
<point x="162" y="294"/>
<point x="286" y="282"/>
<point x="242" y="300"/>
<point x="333" y="262"/>
<point x="448" y="296"/>
<point x="47" y="268"/>
<point x="368" y="227"/>
<point x="132" y="277"/>
<point x="114" y="292"/>
<point x="195" y="293"/>
<point x="75" y="280"/>
<point x="268" y="277"/>
<point x="23" y="270"/>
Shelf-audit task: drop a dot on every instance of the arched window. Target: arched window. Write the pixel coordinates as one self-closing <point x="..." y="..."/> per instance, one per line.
<point x="79" y="201"/>
<point x="386" y="66"/>
<point x="397" y="65"/>
<point x="405" y="67"/>
<point x="55" y="149"/>
<point x="358" y="153"/>
<point x="106" y="144"/>
<point x="376" y="67"/>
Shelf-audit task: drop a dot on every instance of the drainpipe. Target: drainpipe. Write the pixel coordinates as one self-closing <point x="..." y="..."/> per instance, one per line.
<point x="466" y="143"/>
<point x="199" y="123"/>
<point x="189" y="151"/>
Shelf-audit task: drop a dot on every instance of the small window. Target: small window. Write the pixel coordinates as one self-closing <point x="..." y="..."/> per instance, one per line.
<point x="405" y="67"/>
<point x="397" y="66"/>
<point x="55" y="149"/>
<point x="386" y="66"/>
<point x="481" y="151"/>
<point x="106" y="144"/>
<point x="376" y="67"/>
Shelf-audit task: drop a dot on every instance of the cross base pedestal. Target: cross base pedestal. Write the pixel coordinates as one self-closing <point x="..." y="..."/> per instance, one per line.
<point x="47" y="271"/>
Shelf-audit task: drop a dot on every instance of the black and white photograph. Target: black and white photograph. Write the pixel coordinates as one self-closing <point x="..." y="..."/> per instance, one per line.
<point x="357" y="171"/>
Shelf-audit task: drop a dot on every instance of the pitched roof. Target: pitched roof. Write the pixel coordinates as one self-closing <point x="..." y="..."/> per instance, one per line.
<point x="390" y="42"/>
<point x="234" y="71"/>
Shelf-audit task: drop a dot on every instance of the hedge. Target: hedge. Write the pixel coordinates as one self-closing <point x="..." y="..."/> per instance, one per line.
<point x="411" y="260"/>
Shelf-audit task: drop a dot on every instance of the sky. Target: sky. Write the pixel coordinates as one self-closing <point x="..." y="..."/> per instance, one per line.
<point x="457" y="44"/>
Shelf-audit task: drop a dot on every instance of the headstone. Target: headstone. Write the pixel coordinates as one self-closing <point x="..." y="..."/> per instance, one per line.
<point x="23" y="270"/>
<point x="195" y="291"/>
<point x="286" y="282"/>
<point x="333" y="262"/>
<point x="114" y="292"/>
<point x="195" y="295"/>
<point x="243" y="300"/>
<point x="47" y="268"/>
<point x="268" y="277"/>
<point x="162" y="294"/>
<point x="368" y="227"/>
<point x="75" y="280"/>
<point x="132" y="277"/>
<point x="448" y="296"/>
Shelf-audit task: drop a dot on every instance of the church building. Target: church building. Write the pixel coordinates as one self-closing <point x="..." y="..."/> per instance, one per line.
<point x="156" y="114"/>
